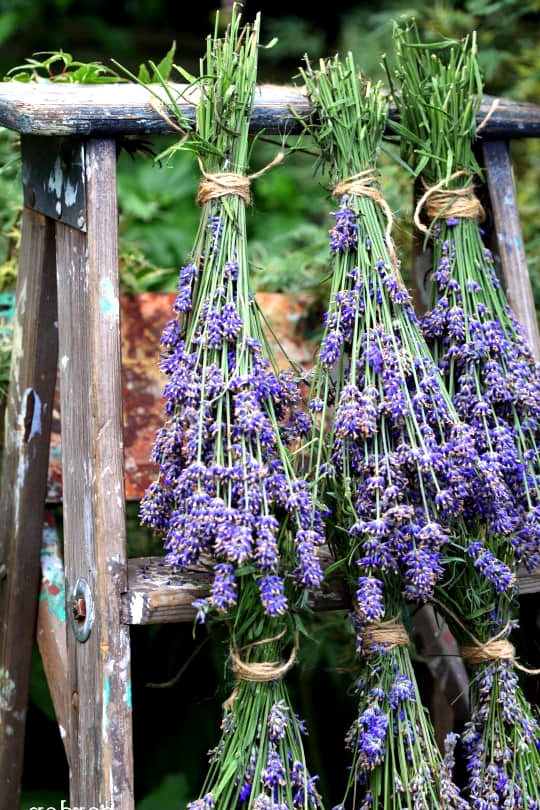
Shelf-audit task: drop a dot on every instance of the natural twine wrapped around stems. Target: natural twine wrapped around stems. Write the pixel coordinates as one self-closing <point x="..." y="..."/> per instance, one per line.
<point x="461" y="203"/>
<point x="495" y="648"/>
<point x="391" y="633"/>
<point x="363" y="184"/>
<point x="220" y="184"/>
<point x="438" y="200"/>
<point x="258" y="671"/>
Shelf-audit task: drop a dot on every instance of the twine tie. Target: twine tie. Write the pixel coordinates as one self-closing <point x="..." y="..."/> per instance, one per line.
<point x="461" y="203"/>
<point x="391" y="633"/>
<point x="220" y="184"/>
<point x="363" y="184"/>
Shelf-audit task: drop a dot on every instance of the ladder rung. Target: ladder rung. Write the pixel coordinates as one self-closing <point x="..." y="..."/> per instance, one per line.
<point x="110" y="110"/>
<point x="156" y="595"/>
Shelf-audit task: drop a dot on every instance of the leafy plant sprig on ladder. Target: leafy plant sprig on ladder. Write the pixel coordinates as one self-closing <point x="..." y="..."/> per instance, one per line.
<point x="227" y="496"/>
<point x="387" y="453"/>
<point x="494" y="381"/>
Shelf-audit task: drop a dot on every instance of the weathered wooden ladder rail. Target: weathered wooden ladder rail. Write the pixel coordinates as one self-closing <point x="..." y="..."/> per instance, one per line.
<point x="68" y="318"/>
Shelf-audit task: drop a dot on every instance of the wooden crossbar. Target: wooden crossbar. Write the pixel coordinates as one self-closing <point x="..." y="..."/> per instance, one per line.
<point x="130" y="109"/>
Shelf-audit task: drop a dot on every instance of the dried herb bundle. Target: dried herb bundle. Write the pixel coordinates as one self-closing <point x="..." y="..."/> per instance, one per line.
<point x="387" y="453"/>
<point x="494" y="383"/>
<point x="227" y="496"/>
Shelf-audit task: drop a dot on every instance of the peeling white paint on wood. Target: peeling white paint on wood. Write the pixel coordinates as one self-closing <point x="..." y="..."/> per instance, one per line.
<point x="137" y="602"/>
<point x="70" y="193"/>
<point x="54" y="183"/>
<point x="7" y="690"/>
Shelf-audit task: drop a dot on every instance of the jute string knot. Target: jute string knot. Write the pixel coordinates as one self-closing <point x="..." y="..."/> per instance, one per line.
<point x="219" y="184"/>
<point x="461" y="203"/>
<point x="364" y="184"/>
<point x="491" y="650"/>
<point x="258" y="671"/>
<point x="437" y="200"/>
<point x="391" y="633"/>
<point x="360" y="185"/>
<point x="496" y="648"/>
<point x="216" y="184"/>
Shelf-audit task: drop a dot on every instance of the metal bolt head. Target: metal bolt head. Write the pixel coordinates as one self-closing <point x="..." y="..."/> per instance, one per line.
<point x="79" y="608"/>
<point x="82" y="610"/>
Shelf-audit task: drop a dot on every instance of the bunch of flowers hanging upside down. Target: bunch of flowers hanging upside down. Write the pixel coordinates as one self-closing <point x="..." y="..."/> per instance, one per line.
<point x="387" y="455"/>
<point x="494" y="381"/>
<point x="227" y="496"/>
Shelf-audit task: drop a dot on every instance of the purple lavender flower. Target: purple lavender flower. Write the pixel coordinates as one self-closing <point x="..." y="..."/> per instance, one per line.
<point x="304" y="786"/>
<point x="278" y="722"/>
<point x="486" y="563"/>
<point x="226" y="480"/>
<point x="223" y="587"/>
<point x="344" y="233"/>
<point x="369" y="604"/>
<point x="490" y="372"/>
<point x="231" y="322"/>
<point x="204" y="803"/>
<point x="392" y="442"/>
<point x="370" y="729"/>
<point x="491" y="749"/>
<point x="230" y="496"/>
<point x="401" y="691"/>
<point x="496" y="385"/>
<point x="422" y="569"/>
<point x="274" y="773"/>
<point x="273" y="597"/>
<point x="309" y="572"/>
<point x="330" y="348"/>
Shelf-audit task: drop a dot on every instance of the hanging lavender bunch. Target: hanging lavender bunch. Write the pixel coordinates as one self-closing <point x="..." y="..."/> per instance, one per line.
<point x="494" y="382"/>
<point x="227" y="497"/>
<point x="387" y="453"/>
<point x="259" y="762"/>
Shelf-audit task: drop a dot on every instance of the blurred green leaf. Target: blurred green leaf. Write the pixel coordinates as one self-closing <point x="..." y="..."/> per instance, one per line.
<point x="31" y="799"/>
<point x="169" y="795"/>
<point x="9" y="23"/>
<point x="60" y="66"/>
<point x="39" y="689"/>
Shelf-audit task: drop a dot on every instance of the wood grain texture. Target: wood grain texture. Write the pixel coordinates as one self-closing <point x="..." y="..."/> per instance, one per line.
<point x="510" y="246"/>
<point x="24" y="476"/>
<point x="512" y="266"/>
<point x="529" y="582"/>
<point x="156" y="595"/>
<point x="100" y="733"/>
<point x="129" y="109"/>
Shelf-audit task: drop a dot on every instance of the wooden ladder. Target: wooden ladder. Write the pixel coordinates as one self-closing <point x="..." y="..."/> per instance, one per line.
<point x="67" y="321"/>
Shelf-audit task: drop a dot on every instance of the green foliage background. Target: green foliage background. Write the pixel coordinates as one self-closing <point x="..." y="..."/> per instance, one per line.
<point x="175" y="726"/>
